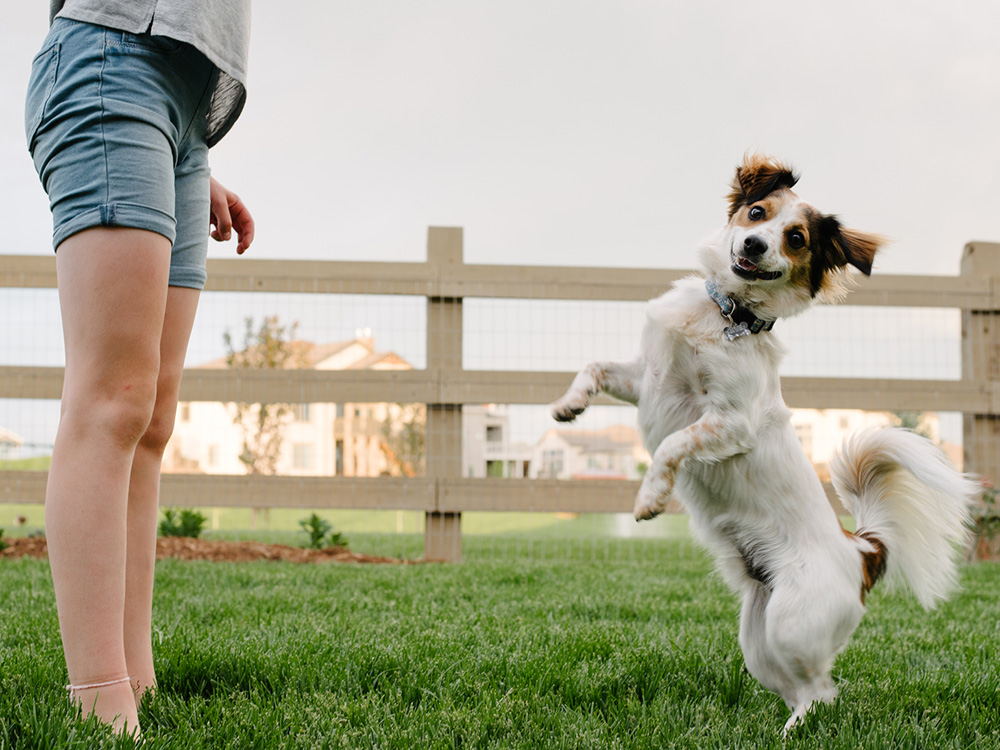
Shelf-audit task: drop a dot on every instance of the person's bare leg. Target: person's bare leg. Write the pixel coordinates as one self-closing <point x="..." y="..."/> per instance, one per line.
<point x="144" y="489"/>
<point x="112" y="293"/>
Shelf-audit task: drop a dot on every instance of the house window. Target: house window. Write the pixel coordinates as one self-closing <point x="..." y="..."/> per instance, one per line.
<point x="303" y="457"/>
<point x="553" y="463"/>
<point x="494" y="433"/>
<point x="212" y="459"/>
<point x="339" y="458"/>
<point x="300" y="412"/>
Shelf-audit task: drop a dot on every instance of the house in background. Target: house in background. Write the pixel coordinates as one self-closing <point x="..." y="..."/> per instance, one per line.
<point x="617" y="452"/>
<point x="487" y="450"/>
<point x="319" y="439"/>
<point x="10" y="445"/>
<point x="821" y="432"/>
<point x="614" y="452"/>
<point x="349" y="439"/>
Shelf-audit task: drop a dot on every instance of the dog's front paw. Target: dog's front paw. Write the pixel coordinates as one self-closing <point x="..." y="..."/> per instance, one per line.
<point x="653" y="496"/>
<point x="568" y="407"/>
<point x="645" y="510"/>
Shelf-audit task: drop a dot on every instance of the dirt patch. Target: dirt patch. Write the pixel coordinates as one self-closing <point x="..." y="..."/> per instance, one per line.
<point x="25" y="547"/>
<point x="184" y="548"/>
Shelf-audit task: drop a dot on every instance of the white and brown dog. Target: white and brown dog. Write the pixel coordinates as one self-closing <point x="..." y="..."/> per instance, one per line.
<point x="712" y="417"/>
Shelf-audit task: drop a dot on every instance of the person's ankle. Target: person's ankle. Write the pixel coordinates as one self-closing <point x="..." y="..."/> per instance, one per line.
<point x="112" y="702"/>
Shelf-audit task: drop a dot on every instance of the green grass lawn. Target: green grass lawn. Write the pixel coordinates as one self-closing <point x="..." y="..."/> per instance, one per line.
<point x="279" y="520"/>
<point x="38" y="463"/>
<point x="584" y="653"/>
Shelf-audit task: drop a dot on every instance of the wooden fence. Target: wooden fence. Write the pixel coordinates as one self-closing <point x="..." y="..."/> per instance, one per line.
<point x="444" y="386"/>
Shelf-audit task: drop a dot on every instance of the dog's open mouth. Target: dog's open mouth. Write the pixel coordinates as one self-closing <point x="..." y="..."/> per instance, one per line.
<point x="747" y="269"/>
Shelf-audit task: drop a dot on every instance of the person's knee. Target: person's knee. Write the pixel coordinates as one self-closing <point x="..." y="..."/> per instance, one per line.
<point x="161" y="424"/>
<point x="121" y="414"/>
<point x="159" y="430"/>
<point x="131" y="414"/>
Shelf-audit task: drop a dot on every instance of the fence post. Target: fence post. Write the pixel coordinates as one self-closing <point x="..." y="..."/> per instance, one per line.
<point x="981" y="361"/>
<point x="443" y="439"/>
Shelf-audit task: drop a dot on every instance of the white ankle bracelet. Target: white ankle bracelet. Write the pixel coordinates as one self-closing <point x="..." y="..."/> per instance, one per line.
<point x="74" y="689"/>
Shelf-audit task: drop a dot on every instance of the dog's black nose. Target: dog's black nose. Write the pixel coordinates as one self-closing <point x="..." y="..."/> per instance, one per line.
<point x="754" y="245"/>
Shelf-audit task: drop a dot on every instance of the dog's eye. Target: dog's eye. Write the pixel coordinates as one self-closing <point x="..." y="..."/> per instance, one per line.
<point x="757" y="213"/>
<point x="796" y="240"/>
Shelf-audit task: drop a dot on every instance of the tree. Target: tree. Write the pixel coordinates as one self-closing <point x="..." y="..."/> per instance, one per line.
<point x="403" y="432"/>
<point x="269" y="347"/>
<point x="912" y="420"/>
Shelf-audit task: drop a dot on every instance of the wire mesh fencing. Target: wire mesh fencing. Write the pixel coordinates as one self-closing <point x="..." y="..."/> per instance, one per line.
<point x="406" y="403"/>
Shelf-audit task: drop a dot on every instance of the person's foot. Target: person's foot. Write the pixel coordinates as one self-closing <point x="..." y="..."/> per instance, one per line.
<point x="113" y="704"/>
<point x="141" y="688"/>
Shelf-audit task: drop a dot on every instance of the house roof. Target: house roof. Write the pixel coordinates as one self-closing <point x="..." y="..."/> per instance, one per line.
<point x="609" y="440"/>
<point x="313" y="354"/>
<point x="308" y="355"/>
<point x="380" y="361"/>
<point x="10" y="438"/>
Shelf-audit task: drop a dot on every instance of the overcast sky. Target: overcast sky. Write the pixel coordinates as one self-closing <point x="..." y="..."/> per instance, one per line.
<point x="576" y="133"/>
<point x="584" y="133"/>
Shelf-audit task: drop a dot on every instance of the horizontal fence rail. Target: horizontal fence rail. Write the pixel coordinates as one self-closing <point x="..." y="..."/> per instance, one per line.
<point x="457" y="280"/>
<point x="445" y="280"/>
<point x="517" y="387"/>
<point x="374" y="493"/>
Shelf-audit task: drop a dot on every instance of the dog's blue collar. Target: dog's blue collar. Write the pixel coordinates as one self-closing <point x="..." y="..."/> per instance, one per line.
<point x="744" y="322"/>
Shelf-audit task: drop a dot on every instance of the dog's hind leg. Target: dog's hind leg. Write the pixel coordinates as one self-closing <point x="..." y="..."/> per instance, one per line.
<point x="803" y="634"/>
<point x="760" y="660"/>
<point x="753" y="638"/>
<point x="789" y="642"/>
<point x="798" y="714"/>
<point x="620" y="380"/>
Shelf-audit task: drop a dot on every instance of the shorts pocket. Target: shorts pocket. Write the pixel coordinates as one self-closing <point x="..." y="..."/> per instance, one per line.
<point x="44" y="69"/>
<point x="162" y="44"/>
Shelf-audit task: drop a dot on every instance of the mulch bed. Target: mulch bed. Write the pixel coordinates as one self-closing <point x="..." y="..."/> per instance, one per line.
<point x="183" y="548"/>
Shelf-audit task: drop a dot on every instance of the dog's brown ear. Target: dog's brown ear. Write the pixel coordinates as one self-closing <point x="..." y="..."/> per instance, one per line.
<point x="860" y="248"/>
<point x="838" y="247"/>
<point x="756" y="178"/>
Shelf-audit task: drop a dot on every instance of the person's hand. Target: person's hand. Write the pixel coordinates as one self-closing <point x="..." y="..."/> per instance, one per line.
<point x="228" y="212"/>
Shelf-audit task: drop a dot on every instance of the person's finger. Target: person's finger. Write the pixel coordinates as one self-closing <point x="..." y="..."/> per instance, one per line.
<point x="220" y="217"/>
<point x="243" y="223"/>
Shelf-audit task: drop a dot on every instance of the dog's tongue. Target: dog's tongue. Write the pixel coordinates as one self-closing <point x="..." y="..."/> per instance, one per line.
<point x="746" y="265"/>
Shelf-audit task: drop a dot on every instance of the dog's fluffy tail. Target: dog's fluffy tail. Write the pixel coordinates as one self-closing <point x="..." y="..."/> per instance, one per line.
<point x="911" y="508"/>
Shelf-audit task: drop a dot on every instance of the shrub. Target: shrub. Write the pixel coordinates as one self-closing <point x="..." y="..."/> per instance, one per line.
<point x="185" y="522"/>
<point x="3" y="544"/>
<point x="317" y="529"/>
<point x="986" y="523"/>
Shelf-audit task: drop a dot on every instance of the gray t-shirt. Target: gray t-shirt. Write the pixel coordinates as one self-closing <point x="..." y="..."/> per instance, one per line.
<point x="219" y="29"/>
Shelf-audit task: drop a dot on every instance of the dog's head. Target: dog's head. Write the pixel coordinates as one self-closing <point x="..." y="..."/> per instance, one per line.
<point x="777" y="250"/>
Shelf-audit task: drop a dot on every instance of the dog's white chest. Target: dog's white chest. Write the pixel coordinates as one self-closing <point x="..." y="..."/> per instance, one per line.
<point x="674" y="390"/>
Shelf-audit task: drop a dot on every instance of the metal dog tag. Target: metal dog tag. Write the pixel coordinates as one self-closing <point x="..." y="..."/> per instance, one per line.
<point x="735" y="331"/>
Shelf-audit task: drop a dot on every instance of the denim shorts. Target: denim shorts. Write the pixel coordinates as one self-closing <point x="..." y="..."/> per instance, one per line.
<point x="116" y="126"/>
